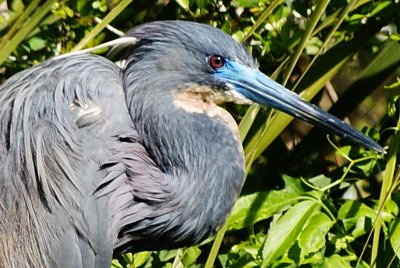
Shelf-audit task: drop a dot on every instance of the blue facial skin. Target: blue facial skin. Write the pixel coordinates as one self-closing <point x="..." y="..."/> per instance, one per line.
<point x="259" y="88"/>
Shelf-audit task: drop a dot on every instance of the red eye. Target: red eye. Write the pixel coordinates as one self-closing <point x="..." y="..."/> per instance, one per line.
<point x="216" y="61"/>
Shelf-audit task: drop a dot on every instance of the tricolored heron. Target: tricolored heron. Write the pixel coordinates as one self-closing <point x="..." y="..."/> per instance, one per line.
<point x="95" y="159"/>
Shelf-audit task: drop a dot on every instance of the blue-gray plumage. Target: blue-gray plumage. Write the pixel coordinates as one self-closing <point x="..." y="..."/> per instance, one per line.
<point x="95" y="159"/>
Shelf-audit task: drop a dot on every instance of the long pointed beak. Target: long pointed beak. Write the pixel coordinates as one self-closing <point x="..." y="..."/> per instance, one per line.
<point x="259" y="88"/>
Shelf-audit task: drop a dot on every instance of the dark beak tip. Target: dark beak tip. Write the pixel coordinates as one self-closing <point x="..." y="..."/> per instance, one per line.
<point x="381" y="150"/>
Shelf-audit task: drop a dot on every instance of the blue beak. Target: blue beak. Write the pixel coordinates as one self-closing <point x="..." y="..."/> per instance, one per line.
<point x="259" y="88"/>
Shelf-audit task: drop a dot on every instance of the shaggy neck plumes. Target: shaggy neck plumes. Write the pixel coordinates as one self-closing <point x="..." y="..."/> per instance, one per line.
<point x="199" y="154"/>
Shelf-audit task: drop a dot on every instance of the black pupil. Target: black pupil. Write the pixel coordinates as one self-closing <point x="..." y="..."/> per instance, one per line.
<point x="216" y="62"/>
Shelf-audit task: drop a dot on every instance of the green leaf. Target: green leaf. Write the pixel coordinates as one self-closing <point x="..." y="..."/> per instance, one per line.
<point x="320" y="181"/>
<point x="313" y="46"/>
<point x="190" y="256"/>
<point x="16" y="6"/>
<point x="37" y="43"/>
<point x="223" y="260"/>
<point x="141" y="257"/>
<point x="255" y="207"/>
<point x="395" y="238"/>
<point x="115" y="264"/>
<point x="183" y="3"/>
<point x="391" y="207"/>
<point x="363" y="226"/>
<point x="285" y="231"/>
<point x="167" y="255"/>
<point x="128" y="258"/>
<point x="293" y="185"/>
<point x="100" y="5"/>
<point x="355" y="209"/>
<point x="245" y="3"/>
<point x="395" y="37"/>
<point x="336" y="261"/>
<point x="358" y="216"/>
<point x="312" y="238"/>
<point x="379" y="7"/>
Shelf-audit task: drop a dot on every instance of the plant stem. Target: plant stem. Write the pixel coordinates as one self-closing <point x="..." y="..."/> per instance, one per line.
<point x="215" y="247"/>
<point x="99" y="27"/>
<point x="25" y="30"/>
<point x="315" y="17"/>
<point x="262" y="18"/>
<point x="386" y="190"/>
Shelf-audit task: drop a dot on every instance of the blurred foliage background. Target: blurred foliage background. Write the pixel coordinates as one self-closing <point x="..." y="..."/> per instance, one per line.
<point x="309" y="200"/>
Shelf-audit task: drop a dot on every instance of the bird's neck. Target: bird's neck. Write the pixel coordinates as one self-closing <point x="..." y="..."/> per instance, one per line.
<point x="196" y="145"/>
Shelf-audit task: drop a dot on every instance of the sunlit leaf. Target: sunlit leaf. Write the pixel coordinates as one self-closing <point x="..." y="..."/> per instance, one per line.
<point x="336" y="261"/>
<point x="293" y="185"/>
<point x="116" y="264"/>
<point x="312" y="238"/>
<point x="320" y="181"/>
<point x="363" y="226"/>
<point x="141" y="257"/>
<point x="128" y="258"/>
<point x="167" y="255"/>
<point x="37" y="43"/>
<point x="395" y="238"/>
<point x="286" y="230"/>
<point x="252" y="208"/>
<point x="245" y="3"/>
<point x="16" y="5"/>
<point x="355" y="209"/>
<point x="190" y="256"/>
<point x="183" y="3"/>
<point x="379" y="7"/>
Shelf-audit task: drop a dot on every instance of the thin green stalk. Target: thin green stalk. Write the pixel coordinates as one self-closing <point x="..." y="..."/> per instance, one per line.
<point x="315" y="17"/>
<point x="215" y="247"/>
<point x="251" y="113"/>
<point x="351" y="161"/>
<point x="262" y="18"/>
<point x="366" y="245"/>
<point x="19" y="22"/>
<point x="100" y="27"/>
<point x="332" y="17"/>
<point x="247" y="120"/>
<point x="385" y="194"/>
<point x="24" y="31"/>
<point x="342" y="16"/>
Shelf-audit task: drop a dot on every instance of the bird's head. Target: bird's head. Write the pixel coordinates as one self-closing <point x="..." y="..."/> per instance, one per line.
<point x="200" y="60"/>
